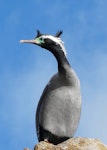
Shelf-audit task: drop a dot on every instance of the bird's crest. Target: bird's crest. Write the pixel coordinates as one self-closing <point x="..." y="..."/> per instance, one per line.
<point x="58" y="33"/>
<point x="38" y="33"/>
<point x="56" y="38"/>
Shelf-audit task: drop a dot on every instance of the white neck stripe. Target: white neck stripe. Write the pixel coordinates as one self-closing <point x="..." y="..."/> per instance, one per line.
<point x="56" y="40"/>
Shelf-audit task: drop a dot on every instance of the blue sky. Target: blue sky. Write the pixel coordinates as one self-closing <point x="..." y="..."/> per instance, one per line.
<point x="26" y="69"/>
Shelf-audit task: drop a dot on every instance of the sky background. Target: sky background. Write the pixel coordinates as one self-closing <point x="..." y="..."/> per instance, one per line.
<point x="25" y="69"/>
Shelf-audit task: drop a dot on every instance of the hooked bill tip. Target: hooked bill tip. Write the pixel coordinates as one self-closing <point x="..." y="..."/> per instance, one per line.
<point x="21" y="41"/>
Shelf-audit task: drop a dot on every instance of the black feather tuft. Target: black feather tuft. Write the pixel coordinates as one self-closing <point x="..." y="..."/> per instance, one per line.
<point x="58" y="34"/>
<point x="38" y="33"/>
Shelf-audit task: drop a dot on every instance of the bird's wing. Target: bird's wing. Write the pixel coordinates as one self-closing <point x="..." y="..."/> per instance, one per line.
<point x="44" y="94"/>
<point x="38" y="107"/>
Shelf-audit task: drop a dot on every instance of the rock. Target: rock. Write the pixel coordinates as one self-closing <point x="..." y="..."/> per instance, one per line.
<point x="73" y="144"/>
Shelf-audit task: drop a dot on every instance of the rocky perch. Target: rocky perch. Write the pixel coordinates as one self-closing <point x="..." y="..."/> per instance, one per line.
<point x="73" y="144"/>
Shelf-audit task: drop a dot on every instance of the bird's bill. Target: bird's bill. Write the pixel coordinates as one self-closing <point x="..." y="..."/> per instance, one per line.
<point x="34" y="41"/>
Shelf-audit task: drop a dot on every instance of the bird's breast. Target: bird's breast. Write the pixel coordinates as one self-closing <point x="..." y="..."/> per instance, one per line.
<point x="60" y="110"/>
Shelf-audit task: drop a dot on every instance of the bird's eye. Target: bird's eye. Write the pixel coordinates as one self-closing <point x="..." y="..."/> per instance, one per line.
<point x="41" y="39"/>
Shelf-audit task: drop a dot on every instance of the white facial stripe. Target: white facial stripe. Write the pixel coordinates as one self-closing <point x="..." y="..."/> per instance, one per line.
<point x="56" y="40"/>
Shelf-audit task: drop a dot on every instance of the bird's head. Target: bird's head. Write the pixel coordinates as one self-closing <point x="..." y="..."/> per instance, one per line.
<point x="49" y="42"/>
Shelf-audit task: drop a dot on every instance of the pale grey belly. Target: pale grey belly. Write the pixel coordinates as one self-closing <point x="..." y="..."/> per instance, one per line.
<point x="60" y="111"/>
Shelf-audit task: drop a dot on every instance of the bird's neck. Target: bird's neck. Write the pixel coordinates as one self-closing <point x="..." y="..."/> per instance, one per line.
<point x="63" y="63"/>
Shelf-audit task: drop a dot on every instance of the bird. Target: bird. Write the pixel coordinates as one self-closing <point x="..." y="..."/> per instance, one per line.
<point x="59" y="108"/>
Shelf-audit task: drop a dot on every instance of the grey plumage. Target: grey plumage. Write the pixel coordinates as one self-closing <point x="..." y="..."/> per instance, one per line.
<point x="59" y="108"/>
